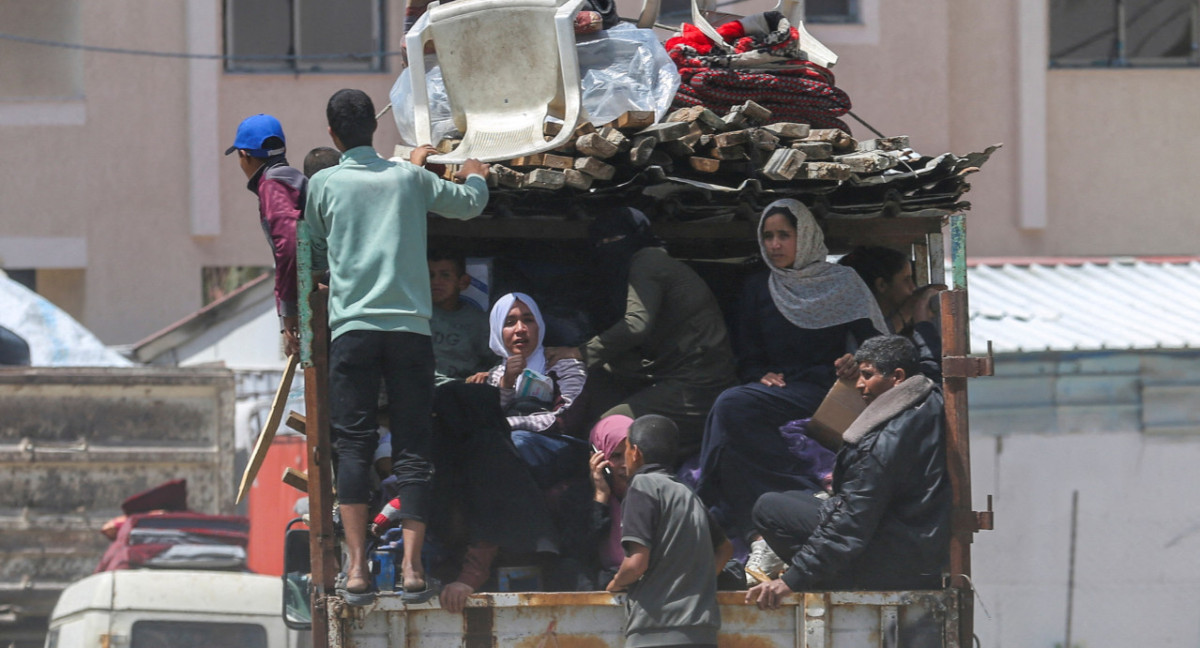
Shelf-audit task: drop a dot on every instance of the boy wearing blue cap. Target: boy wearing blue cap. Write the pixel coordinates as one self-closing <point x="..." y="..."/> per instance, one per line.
<point x="260" y="146"/>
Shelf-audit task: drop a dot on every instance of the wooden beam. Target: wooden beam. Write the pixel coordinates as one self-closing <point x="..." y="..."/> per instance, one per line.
<point x="296" y="421"/>
<point x="295" y="479"/>
<point x="263" y="445"/>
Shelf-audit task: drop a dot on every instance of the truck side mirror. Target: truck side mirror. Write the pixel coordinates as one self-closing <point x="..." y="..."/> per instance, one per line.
<point x="297" y="608"/>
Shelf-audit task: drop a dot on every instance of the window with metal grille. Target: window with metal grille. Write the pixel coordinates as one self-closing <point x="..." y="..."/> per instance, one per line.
<point x="34" y="72"/>
<point x="672" y="12"/>
<point x="304" y="35"/>
<point x="1124" y="33"/>
<point x="832" y="11"/>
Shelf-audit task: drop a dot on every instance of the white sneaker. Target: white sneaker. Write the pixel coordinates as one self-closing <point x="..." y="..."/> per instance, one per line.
<point x="762" y="565"/>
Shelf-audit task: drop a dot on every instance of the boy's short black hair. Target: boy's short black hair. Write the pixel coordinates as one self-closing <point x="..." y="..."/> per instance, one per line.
<point x="351" y="116"/>
<point x="320" y="158"/>
<point x="875" y="262"/>
<point x="656" y="437"/>
<point x="460" y="261"/>
<point x="888" y="353"/>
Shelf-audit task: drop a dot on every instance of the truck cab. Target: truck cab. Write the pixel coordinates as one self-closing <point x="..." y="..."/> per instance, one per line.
<point x="145" y="608"/>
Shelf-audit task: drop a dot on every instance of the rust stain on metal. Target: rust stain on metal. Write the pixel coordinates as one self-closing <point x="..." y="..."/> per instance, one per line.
<point x="743" y="641"/>
<point x="478" y="623"/>
<point x="745" y="616"/>
<point x="563" y="641"/>
<point x="739" y="598"/>
<point x="567" y="598"/>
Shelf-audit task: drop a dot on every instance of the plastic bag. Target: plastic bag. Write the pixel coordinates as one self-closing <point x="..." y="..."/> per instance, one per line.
<point x="621" y="69"/>
<point x="440" y="119"/>
<point x="625" y="68"/>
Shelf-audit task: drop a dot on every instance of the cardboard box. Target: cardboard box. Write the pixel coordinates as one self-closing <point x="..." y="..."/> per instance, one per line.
<point x="841" y="406"/>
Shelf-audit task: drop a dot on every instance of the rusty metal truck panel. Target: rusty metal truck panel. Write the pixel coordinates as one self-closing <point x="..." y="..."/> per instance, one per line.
<point x="596" y="619"/>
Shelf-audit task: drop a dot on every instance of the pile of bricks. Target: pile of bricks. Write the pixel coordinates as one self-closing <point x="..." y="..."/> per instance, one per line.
<point x="696" y="142"/>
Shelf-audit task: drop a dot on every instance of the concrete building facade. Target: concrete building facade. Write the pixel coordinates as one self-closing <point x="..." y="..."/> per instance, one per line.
<point x="116" y="194"/>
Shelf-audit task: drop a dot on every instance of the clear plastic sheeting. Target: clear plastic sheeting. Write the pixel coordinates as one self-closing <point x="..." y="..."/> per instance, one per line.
<point x="621" y="69"/>
<point x="441" y="121"/>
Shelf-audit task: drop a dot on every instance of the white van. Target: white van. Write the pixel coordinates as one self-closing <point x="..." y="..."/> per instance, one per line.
<point x="146" y="608"/>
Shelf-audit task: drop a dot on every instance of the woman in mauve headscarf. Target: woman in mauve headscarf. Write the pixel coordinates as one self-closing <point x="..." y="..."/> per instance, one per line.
<point x="798" y="323"/>
<point x="609" y="437"/>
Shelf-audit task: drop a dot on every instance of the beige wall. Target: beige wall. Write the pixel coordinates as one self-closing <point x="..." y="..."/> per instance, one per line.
<point x="1122" y="167"/>
<point x="113" y="168"/>
<point x="119" y="178"/>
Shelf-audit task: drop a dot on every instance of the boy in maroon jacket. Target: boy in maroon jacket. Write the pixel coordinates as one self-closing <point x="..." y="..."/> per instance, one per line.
<point x="281" y="192"/>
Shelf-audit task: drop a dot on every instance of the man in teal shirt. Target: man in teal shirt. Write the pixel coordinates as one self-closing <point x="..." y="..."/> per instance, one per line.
<point x="367" y="217"/>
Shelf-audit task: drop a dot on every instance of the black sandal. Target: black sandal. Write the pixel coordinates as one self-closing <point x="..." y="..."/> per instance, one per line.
<point x="358" y="599"/>
<point x="432" y="587"/>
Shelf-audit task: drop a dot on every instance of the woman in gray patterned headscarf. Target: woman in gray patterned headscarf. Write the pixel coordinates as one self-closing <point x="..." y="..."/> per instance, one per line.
<point x="798" y="323"/>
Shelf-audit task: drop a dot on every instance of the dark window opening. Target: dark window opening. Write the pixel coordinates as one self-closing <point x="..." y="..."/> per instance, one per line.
<point x="1124" y="33"/>
<point x="342" y="36"/>
<point x="673" y="12"/>
<point x="194" y="634"/>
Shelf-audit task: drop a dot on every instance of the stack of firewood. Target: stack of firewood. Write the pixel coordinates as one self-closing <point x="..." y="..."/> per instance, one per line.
<point x="697" y="143"/>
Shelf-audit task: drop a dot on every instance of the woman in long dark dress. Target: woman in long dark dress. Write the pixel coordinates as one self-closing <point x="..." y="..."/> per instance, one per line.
<point x="798" y="324"/>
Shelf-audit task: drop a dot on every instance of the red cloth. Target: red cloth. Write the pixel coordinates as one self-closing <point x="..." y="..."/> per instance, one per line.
<point x="805" y="95"/>
<point x="167" y="496"/>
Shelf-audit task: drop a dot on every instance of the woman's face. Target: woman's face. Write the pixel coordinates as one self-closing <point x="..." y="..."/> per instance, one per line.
<point x="779" y="240"/>
<point x="617" y="459"/>
<point x="520" y="332"/>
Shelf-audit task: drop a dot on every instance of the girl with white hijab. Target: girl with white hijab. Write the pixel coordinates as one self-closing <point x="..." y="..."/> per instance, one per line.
<point x="797" y="325"/>
<point x="517" y="330"/>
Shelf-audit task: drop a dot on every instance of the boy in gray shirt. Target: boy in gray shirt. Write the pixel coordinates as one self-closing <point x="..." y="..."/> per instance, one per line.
<point x="460" y="330"/>
<point x="668" y="536"/>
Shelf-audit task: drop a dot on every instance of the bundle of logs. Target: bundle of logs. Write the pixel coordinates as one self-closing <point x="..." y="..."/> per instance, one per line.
<point x="698" y="143"/>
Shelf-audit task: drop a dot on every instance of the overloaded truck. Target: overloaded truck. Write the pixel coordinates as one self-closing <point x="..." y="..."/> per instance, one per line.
<point x="702" y="176"/>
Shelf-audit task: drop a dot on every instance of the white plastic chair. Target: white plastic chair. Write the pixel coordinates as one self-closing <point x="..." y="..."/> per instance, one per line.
<point x="793" y="10"/>
<point x="649" y="14"/>
<point x="507" y="64"/>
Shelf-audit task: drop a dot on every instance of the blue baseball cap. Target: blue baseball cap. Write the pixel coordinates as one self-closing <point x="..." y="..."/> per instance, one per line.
<point x="252" y="136"/>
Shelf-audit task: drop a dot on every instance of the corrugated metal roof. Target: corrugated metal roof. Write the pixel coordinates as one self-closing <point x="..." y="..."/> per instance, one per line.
<point x="1085" y="305"/>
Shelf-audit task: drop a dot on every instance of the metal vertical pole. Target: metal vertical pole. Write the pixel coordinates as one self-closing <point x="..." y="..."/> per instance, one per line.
<point x="937" y="259"/>
<point x="1071" y="567"/>
<point x="314" y="358"/>
<point x="1194" y="33"/>
<point x="920" y="253"/>
<point x="1119" y="45"/>
<point x="956" y="342"/>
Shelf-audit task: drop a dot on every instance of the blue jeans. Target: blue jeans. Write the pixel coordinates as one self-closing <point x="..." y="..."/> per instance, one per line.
<point x="551" y="458"/>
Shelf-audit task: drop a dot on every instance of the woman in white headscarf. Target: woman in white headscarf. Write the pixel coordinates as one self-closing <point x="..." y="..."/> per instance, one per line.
<point x="798" y="323"/>
<point x="532" y="394"/>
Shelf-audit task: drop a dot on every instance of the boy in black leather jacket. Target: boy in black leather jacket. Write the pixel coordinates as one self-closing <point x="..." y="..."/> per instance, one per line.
<point x="887" y="524"/>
